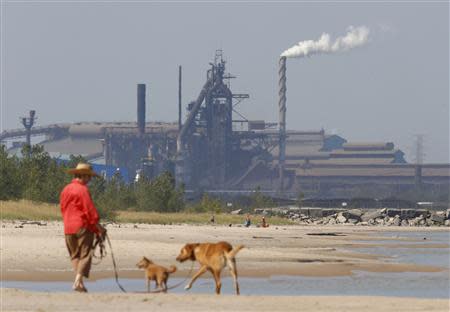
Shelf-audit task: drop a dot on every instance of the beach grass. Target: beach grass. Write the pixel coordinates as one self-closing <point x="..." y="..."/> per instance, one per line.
<point x="32" y="211"/>
<point x="28" y="210"/>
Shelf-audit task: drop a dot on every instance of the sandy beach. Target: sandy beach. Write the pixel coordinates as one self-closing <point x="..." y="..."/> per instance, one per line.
<point x="38" y="253"/>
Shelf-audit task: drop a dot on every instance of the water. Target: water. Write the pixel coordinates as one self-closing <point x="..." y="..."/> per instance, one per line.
<point x="419" y="285"/>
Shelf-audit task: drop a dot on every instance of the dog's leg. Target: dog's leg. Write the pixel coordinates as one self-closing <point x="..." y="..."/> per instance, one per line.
<point x="148" y="284"/>
<point x="216" y="275"/>
<point x="232" y="265"/>
<point x="197" y="275"/>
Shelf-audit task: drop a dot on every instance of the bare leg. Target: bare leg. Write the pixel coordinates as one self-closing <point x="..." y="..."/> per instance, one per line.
<point x="75" y="265"/>
<point x="200" y="272"/>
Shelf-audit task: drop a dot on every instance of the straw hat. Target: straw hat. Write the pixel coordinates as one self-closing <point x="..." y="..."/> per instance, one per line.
<point x="84" y="169"/>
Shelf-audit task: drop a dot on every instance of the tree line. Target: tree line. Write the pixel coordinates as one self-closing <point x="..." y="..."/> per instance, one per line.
<point x="38" y="177"/>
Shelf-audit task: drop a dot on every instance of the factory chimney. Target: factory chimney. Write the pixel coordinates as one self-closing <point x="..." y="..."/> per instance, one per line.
<point x="282" y="118"/>
<point x="141" y="108"/>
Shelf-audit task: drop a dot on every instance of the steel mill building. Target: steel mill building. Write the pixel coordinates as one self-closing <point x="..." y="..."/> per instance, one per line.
<point x="217" y="148"/>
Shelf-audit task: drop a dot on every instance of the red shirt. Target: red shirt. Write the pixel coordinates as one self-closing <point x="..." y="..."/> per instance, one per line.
<point x="77" y="208"/>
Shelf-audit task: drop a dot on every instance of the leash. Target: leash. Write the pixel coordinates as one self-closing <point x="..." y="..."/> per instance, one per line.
<point x="114" y="264"/>
<point x="100" y="242"/>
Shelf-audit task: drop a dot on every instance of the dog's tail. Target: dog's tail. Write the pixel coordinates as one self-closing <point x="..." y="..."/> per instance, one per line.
<point x="171" y="269"/>
<point x="235" y="250"/>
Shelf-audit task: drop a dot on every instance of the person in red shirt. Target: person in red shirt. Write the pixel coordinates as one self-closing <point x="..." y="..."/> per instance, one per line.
<point x="81" y="222"/>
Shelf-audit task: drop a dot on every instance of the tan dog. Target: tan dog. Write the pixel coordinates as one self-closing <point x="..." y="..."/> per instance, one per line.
<point x="212" y="257"/>
<point x="155" y="272"/>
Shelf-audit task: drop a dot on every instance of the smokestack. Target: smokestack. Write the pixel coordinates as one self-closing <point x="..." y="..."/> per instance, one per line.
<point x="179" y="97"/>
<point x="282" y="118"/>
<point x="141" y="108"/>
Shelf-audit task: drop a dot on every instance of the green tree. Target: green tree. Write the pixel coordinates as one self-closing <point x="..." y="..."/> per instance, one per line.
<point x="207" y="204"/>
<point x="159" y="195"/>
<point x="10" y="182"/>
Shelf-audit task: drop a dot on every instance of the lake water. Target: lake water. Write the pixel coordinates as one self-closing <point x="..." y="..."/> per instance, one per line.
<point x="420" y="285"/>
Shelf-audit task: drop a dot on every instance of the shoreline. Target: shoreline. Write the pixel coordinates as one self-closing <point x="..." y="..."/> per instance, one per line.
<point x="38" y="253"/>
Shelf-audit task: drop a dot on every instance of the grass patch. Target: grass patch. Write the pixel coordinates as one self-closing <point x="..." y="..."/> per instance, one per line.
<point x="28" y="210"/>
<point x="190" y="218"/>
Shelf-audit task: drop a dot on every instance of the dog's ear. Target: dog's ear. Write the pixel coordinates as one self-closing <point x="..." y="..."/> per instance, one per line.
<point x="190" y="250"/>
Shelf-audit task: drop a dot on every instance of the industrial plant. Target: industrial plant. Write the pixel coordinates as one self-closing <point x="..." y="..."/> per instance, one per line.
<point x="216" y="148"/>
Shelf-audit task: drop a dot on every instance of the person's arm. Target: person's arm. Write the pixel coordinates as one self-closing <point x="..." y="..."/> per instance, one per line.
<point x="90" y="211"/>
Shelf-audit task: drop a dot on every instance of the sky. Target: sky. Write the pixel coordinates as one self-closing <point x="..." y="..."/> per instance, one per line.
<point x="80" y="61"/>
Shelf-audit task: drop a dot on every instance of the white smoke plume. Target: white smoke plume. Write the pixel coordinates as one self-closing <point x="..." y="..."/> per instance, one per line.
<point x="355" y="37"/>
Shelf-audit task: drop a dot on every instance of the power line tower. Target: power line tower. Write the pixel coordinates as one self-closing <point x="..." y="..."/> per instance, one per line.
<point x="28" y="123"/>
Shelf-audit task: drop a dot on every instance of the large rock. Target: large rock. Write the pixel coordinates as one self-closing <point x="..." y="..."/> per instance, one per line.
<point x="404" y="223"/>
<point x="312" y="212"/>
<point x="340" y="218"/>
<point x="397" y="221"/>
<point x="373" y="214"/>
<point x="447" y="215"/>
<point x="437" y="218"/>
<point x="353" y="214"/>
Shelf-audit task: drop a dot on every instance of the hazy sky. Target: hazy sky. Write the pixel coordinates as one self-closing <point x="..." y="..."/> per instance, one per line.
<point x="79" y="61"/>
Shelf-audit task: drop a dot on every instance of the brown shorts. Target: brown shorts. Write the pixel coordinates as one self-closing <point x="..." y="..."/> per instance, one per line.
<point x="79" y="246"/>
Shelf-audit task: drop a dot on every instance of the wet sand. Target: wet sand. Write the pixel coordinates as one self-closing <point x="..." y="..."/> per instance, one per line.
<point x="38" y="253"/>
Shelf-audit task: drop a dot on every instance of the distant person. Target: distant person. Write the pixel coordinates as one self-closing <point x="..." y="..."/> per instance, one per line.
<point x="247" y="221"/>
<point x="213" y="219"/>
<point x="80" y="222"/>
<point x="264" y="224"/>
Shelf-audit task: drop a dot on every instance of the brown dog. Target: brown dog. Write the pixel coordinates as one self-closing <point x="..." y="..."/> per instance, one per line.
<point x="155" y="272"/>
<point x="212" y="257"/>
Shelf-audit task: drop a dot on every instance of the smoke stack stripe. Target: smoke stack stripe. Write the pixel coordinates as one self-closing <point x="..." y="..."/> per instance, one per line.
<point x="282" y="118"/>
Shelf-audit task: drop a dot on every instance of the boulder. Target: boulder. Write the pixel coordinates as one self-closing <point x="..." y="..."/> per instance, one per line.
<point x="236" y="212"/>
<point x="404" y="223"/>
<point x="447" y="222"/>
<point x="352" y="221"/>
<point x="312" y="212"/>
<point x="373" y="214"/>
<point x="397" y="221"/>
<point x="353" y="214"/>
<point x="340" y="218"/>
<point x="447" y="215"/>
<point x="437" y="218"/>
